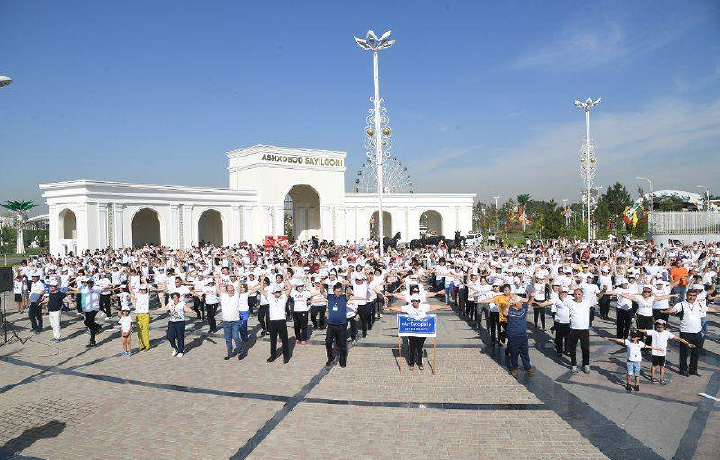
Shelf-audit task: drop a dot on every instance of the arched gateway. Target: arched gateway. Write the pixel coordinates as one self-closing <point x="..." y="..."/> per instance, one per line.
<point x="272" y="191"/>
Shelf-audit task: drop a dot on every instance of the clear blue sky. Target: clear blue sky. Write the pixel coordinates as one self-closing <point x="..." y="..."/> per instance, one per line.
<point x="479" y="93"/>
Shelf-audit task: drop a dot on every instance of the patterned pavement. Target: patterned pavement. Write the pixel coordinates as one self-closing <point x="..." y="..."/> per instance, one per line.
<point x="68" y="402"/>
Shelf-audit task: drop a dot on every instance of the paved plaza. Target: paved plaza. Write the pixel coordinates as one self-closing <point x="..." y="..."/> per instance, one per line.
<point x="69" y="402"/>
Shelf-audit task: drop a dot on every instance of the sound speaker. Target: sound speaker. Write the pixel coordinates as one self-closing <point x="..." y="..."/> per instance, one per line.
<point x="6" y="279"/>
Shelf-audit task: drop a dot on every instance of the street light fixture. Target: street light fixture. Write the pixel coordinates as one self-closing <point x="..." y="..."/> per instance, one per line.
<point x="707" y="196"/>
<point x="588" y="161"/>
<point x="651" y="194"/>
<point x="497" y="215"/>
<point x="565" y="212"/>
<point x="4" y="81"/>
<point x="372" y="43"/>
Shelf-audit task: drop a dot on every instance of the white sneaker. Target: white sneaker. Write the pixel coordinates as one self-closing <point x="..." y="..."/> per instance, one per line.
<point x="180" y="355"/>
<point x="174" y="352"/>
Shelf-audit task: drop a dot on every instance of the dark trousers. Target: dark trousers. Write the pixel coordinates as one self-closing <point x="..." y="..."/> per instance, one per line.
<point x="694" y="338"/>
<point x="519" y="346"/>
<point x="317" y="315"/>
<point x="176" y="335"/>
<point x="562" y="331"/>
<point x="336" y="333"/>
<point x="365" y="312"/>
<point x="264" y="317"/>
<point x="300" y="321"/>
<point x="646" y="323"/>
<point x="105" y="304"/>
<point x="91" y="325"/>
<point x="538" y="313"/>
<point x="278" y="326"/>
<point x="352" y="322"/>
<point x="199" y="307"/>
<point x="582" y="335"/>
<point x="657" y="315"/>
<point x="415" y="350"/>
<point x="494" y="325"/>
<point x="624" y="318"/>
<point x="35" y="314"/>
<point x="210" y="311"/>
<point x="378" y="306"/>
<point x="604" y="306"/>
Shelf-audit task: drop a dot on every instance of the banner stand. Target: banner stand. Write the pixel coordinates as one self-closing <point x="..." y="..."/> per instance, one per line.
<point x="434" y="355"/>
<point x="399" y="355"/>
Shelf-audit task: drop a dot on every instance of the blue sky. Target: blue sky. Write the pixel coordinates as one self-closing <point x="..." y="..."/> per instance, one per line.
<point x="478" y="93"/>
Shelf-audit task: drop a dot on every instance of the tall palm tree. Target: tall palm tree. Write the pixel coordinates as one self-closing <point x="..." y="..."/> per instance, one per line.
<point x="522" y="200"/>
<point x="20" y="208"/>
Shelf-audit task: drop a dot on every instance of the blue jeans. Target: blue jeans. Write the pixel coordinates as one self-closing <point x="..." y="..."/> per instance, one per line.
<point x="231" y="330"/>
<point x="448" y="293"/>
<point x="243" y="324"/>
<point x="519" y="346"/>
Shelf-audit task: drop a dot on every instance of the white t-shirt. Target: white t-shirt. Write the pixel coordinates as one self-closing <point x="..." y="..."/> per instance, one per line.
<point x="125" y="323"/>
<point x="579" y="314"/>
<point x="211" y="297"/>
<point x="229" y="306"/>
<point x="243" y="304"/>
<point x="300" y="300"/>
<point x="562" y="312"/>
<point x="416" y="313"/>
<point x="590" y="292"/>
<point x="659" y="340"/>
<point x="176" y="311"/>
<point x="634" y="350"/>
<point x="623" y="303"/>
<point x="277" y="307"/>
<point x="142" y="303"/>
<point x="645" y="305"/>
<point x="690" y="322"/>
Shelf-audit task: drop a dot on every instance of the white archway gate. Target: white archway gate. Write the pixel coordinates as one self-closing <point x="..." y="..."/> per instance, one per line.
<point x="210" y="228"/>
<point x="302" y="212"/>
<point x="146" y="228"/>
<point x="431" y="221"/>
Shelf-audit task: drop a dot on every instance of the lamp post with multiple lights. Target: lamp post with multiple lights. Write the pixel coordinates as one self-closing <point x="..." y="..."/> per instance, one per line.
<point x="372" y="43"/>
<point x="707" y="196"/>
<point x="651" y="199"/>
<point x="497" y="215"/>
<point x="588" y="161"/>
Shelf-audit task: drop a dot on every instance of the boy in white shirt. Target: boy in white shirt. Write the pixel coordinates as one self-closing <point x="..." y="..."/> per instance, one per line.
<point x="660" y="337"/>
<point x="634" y="358"/>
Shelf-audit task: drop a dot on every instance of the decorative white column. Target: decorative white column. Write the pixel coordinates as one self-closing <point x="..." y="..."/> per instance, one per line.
<point x="235" y="225"/>
<point x="325" y="223"/>
<point x="278" y="220"/>
<point x="188" y="226"/>
<point x="82" y="228"/>
<point x="102" y="237"/>
<point x="174" y="228"/>
<point x="54" y="230"/>
<point x="247" y="224"/>
<point x="118" y="224"/>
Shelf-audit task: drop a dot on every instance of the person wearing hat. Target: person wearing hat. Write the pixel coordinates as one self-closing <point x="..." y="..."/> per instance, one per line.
<point x="90" y="304"/>
<point x="690" y="330"/>
<point x="561" y="319"/>
<point x="417" y="310"/>
<point x="645" y="303"/>
<point x="54" y="302"/>
<point x="660" y="336"/>
<point x="277" y="325"/>
<point x="37" y="293"/>
<point x="126" y="330"/>
<point x="623" y="307"/>
<point x="141" y="302"/>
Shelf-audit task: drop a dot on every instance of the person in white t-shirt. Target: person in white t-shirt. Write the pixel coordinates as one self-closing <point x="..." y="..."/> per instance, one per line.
<point x="660" y="336"/>
<point x="277" y="326"/>
<point x="300" y="297"/>
<point x="579" y="330"/>
<point x="141" y="302"/>
<point x="634" y="358"/>
<point x="229" y="304"/>
<point x="126" y="330"/>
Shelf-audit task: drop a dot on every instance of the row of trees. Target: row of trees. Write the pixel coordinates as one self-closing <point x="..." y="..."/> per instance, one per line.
<point x="546" y="218"/>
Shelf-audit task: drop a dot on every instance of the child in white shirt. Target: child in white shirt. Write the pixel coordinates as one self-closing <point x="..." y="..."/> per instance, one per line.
<point x="634" y="358"/>
<point x="125" y="331"/>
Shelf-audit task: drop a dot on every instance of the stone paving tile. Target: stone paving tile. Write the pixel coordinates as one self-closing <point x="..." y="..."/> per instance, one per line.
<point x="315" y="431"/>
<point x="463" y="376"/>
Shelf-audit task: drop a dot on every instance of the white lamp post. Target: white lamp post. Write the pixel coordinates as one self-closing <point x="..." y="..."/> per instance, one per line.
<point x="651" y="198"/>
<point x="565" y="211"/>
<point x="707" y="196"/>
<point x="4" y="81"/>
<point x="497" y="215"/>
<point x="588" y="160"/>
<point x="372" y="43"/>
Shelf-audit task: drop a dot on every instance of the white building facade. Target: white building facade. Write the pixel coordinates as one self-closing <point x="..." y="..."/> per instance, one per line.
<point x="266" y="184"/>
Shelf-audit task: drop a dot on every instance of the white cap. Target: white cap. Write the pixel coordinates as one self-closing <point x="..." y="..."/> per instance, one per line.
<point x="697" y="287"/>
<point x="415" y="297"/>
<point x="52" y="283"/>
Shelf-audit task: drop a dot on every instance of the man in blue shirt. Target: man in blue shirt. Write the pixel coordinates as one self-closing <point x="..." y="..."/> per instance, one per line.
<point x="336" y="325"/>
<point x="517" y="336"/>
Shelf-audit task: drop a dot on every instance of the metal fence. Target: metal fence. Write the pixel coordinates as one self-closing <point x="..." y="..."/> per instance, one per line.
<point x="684" y="223"/>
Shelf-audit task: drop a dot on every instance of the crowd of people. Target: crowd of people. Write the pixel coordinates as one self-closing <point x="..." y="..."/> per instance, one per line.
<point x="344" y="289"/>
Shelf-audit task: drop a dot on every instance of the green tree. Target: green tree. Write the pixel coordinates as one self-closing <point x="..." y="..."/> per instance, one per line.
<point x="611" y="205"/>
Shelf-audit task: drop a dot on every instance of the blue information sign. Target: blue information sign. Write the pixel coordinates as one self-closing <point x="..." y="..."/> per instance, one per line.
<point x="408" y="326"/>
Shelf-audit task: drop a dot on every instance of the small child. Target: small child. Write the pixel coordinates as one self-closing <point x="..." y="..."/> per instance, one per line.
<point x="660" y="337"/>
<point x="126" y="330"/>
<point x="634" y="358"/>
<point x="352" y="315"/>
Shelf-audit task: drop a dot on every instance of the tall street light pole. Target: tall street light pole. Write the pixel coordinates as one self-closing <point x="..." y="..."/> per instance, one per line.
<point x="565" y="212"/>
<point x="707" y="196"/>
<point x="4" y="81"/>
<point x="651" y="199"/>
<point x="588" y="160"/>
<point x="372" y="43"/>
<point x="497" y="215"/>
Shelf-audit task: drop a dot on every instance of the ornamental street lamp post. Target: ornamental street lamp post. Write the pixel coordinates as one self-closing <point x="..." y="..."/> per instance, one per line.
<point x="497" y="215"/>
<point x="707" y="196"/>
<point x="372" y="43"/>
<point x="652" y="198"/>
<point x="588" y="160"/>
